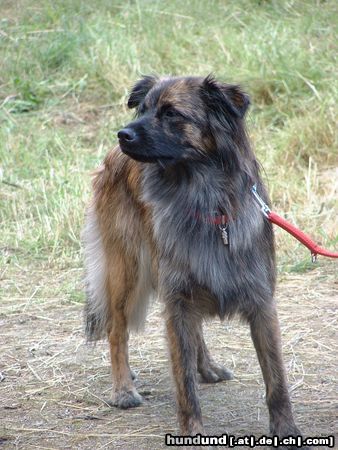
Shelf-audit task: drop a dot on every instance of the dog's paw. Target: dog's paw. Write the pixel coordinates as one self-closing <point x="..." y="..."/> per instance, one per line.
<point x="214" y="373"/>
<point x="125" y="399"/>
<point x="288" y="431"/>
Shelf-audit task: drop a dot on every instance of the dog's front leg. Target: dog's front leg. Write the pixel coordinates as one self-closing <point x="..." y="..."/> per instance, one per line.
<point x="265" y="334"/>
<point x="182" y="331"/>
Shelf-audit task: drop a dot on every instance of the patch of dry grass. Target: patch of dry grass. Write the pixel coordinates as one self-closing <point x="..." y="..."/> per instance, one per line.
<point x="53" y="387"/>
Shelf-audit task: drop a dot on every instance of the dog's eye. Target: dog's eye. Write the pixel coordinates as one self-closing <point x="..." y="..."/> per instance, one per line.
<point x="169" y="112"/>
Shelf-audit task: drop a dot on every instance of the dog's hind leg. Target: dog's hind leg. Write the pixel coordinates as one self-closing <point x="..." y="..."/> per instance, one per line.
<point x="117" y="294"/>
<point x="210" y="371"/>
<point x="265" y="334"/>
<point x="125" y="394"/>
<point x="124" y="295"/>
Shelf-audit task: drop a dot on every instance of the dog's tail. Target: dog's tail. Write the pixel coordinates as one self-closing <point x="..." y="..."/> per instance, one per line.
<point x="96" y="309"/>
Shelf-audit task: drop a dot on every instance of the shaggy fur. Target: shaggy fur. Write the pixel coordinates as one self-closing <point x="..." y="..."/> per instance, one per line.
<point x="185" y="158"/>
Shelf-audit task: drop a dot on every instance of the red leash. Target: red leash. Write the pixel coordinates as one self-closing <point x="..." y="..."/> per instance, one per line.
<point x="294" y="231"/>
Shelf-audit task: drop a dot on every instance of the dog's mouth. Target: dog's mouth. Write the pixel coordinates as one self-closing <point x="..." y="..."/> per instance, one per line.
<point x="139" y="157"/>
<point x="144" y="157"/>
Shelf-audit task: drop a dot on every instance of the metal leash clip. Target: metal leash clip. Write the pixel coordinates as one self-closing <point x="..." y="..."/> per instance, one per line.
<point x="265" y="208"/>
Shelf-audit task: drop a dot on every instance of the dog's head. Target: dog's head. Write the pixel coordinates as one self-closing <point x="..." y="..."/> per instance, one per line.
<point x="183" y="118"/>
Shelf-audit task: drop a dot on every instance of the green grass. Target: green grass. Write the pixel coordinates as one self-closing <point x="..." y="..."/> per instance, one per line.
<point x="66" y="67"/>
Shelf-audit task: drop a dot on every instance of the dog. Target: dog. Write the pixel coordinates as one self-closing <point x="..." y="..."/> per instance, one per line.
<point x="173" y="214"/>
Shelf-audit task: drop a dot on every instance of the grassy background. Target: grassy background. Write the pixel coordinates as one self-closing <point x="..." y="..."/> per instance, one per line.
<point x="66" y="67"/>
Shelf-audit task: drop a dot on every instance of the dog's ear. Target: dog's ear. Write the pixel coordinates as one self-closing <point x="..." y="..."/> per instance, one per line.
<point x="225" y="97"/>
<point x="140" y="90"/>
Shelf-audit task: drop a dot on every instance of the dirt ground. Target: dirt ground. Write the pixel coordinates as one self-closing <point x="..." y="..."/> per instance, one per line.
<point x="53" y="386"/>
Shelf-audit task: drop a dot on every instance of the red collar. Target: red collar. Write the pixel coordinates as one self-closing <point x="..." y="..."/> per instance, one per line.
<point x="214" y="220"/>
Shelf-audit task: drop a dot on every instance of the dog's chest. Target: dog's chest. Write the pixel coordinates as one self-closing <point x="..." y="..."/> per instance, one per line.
<point x="228" y="263"/>
<point x="204" y="248"/>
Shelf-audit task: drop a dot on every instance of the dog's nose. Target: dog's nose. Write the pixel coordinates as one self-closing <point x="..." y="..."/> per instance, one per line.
<point x="126" y="134"/>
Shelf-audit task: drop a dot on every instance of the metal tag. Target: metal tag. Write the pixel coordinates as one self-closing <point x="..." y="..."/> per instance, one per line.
<point x="224" y="234"/>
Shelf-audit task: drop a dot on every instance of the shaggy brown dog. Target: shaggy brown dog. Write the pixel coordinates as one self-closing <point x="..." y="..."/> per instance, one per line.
<point x="173" y="213"/>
